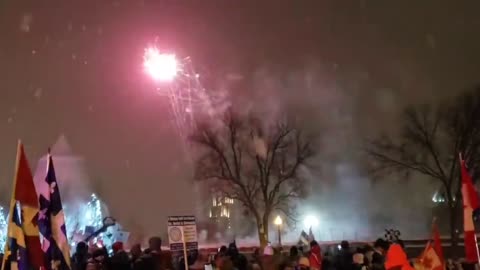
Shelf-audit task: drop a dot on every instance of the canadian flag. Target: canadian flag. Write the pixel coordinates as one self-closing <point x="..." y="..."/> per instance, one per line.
<point x="429" y="260"/>
<point x="470" y="205"/>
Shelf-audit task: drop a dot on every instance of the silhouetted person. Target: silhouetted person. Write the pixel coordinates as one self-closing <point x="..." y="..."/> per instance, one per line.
<point x="293" y="256"/>
<point x="155" y="259"/>
<point x="344" y="258"/>
<point x="380" y="248"/>
<point x="239" y="261"/>
<point x="120" y="259"/>
<point x="135" y="253"/>
<point x="80" y="258"/>
<point x="192" y="256"/>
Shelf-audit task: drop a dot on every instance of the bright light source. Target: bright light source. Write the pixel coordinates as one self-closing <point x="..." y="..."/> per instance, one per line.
<point x="310" y="222"/>
<point x="161" y="66"/>
<point x="278" y="221"/>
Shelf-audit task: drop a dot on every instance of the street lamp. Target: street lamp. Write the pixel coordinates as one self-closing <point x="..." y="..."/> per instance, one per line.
<point x="278" y="222"/>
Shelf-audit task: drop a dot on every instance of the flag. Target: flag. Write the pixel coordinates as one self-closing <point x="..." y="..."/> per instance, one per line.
<point x="430" y="260"/>
<point x="437" y="243"/>
<point x="470" y="206"/>
<point x="23" y="243"/>
<point x="311" y="237"/>
<point x="303" y="239"/>
<point x="52" y="223"/>
<point x="17" y="255"/>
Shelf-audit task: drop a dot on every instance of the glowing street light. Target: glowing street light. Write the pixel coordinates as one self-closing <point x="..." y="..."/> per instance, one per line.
<point x="160" y="66"/>
<point x="278" y="222"/>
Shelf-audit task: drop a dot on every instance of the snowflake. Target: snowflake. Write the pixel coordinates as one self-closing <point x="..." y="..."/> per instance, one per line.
<point x="25" y="22"/>
<point x="38" y="92"/>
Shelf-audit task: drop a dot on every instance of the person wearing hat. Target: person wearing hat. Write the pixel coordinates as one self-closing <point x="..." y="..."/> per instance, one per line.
<point x="120" y="259"/>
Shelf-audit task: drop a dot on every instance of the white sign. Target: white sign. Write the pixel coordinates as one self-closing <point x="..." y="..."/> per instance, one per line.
<point x="182" y="230"/>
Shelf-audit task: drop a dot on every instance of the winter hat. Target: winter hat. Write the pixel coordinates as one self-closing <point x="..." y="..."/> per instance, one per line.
<point x="117" y="246"/>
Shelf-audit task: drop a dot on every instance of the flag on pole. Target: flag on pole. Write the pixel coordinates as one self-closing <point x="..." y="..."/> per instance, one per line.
<point x="470" y="206"/>
<point x="52" y="223"/>
<point x="303" y="241"/>
<point x="437" y="243"/>
<point x="23" y="244"/>
<point x="430" y="260"/>
<point x="311" y="237"/>
<point x="17" y="256"/>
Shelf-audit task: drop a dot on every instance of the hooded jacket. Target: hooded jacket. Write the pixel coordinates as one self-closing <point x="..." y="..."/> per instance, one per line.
<point x="397" y="259"/>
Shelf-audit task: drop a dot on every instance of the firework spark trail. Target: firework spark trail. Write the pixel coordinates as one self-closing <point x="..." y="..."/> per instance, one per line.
<point x="187" y="97"/>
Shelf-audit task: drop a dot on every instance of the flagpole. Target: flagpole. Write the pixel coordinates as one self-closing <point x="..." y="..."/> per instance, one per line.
<point x="185" y="254"/>
<point x="12" y="205"/>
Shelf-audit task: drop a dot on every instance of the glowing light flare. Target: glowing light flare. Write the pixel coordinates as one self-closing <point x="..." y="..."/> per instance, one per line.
<point x="278" y="221"/>
<point x="160" y="66"/>
<point x="310" y="222"/>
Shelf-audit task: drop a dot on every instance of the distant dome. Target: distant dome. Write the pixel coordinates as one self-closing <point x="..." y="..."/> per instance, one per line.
<point x="62" y="147"/>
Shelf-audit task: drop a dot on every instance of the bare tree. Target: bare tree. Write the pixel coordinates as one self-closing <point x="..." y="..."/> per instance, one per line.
<point x="429" y="143"/>
<point x="260" y="167"/>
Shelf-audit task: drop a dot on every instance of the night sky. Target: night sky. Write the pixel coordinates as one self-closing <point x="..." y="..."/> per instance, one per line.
<point x="75" y="68"/>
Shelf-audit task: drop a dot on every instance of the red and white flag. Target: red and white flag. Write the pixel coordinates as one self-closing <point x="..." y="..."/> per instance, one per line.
<point x="429" y="260"/>
<point x="470" y="205"/>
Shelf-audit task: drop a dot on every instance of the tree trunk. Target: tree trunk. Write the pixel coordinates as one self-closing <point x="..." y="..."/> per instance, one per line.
<point x="453" y="226"/>
<point x="262" y="228"/>
<point x="263" y="234"/>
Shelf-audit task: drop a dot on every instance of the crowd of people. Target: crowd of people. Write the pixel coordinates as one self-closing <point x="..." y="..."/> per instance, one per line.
<point x="382" y="255"/>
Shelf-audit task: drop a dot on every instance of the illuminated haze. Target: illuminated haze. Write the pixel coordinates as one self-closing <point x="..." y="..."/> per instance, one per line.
<point x="345" y="71"/>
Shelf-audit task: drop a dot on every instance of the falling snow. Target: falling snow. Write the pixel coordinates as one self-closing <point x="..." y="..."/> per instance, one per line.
<point x="46" y="40"/>
<point x="38" y="93"/>
<point x="431" y="41"/>
<point x="25" y="22"/>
